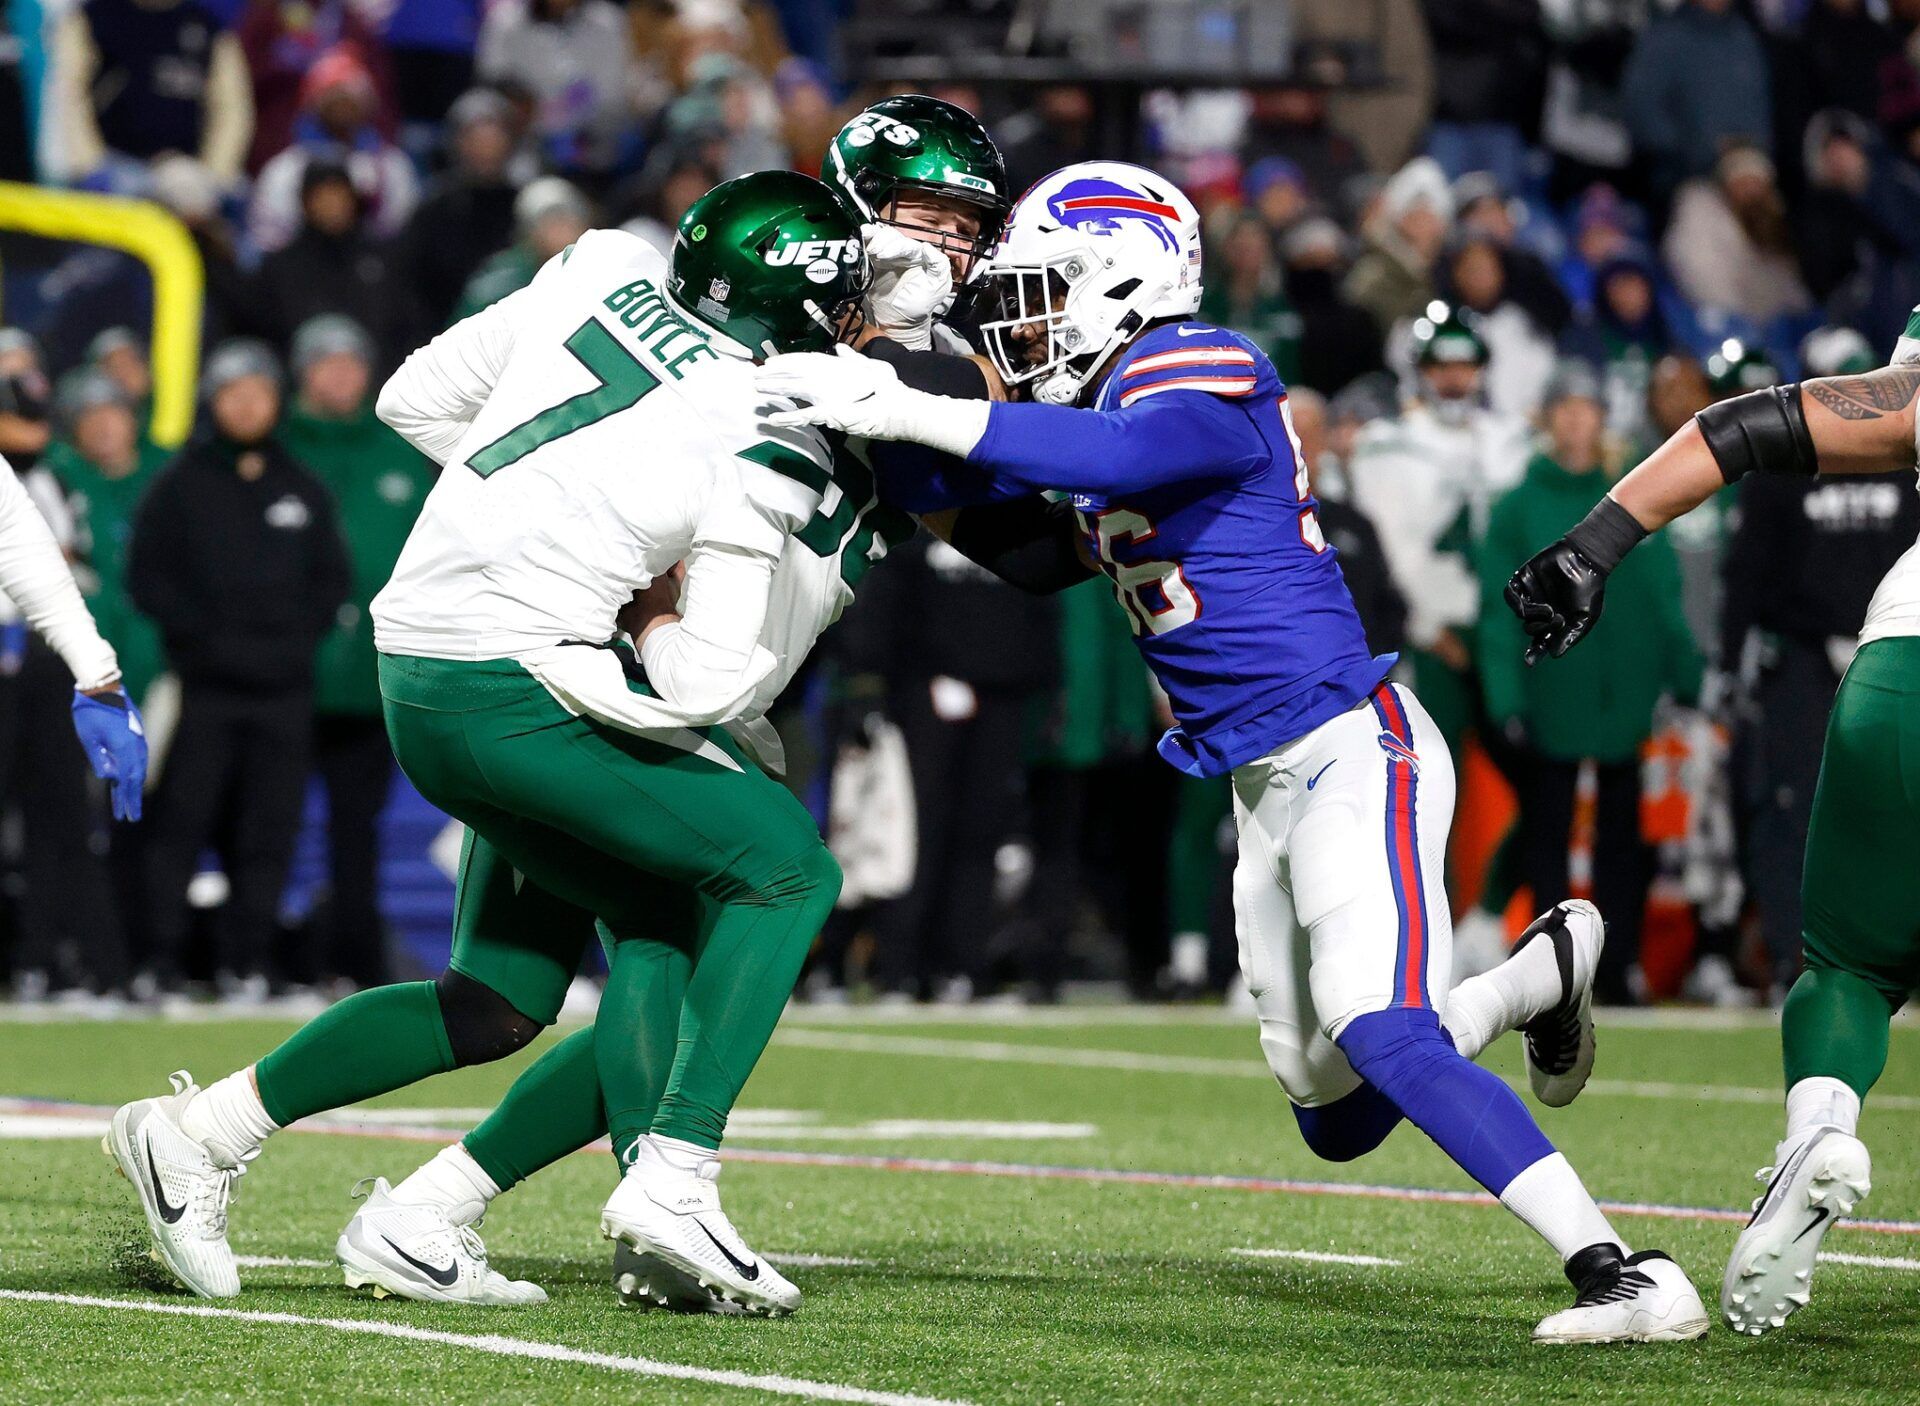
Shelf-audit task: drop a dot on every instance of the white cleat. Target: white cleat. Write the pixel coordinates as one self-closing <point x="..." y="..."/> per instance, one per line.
<point x="647" y="1282"/>
<point x="1770" y="1276"/>
<point x="183" y="1189"/>
<point x="1559" y="1042"/>
<point x="673" y="1220"/>
<point x="415" y="1252"/>
<point x="1643" y="1298"/>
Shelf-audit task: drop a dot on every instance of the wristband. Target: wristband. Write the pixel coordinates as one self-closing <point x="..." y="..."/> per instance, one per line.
<point x="1606" y="534"/>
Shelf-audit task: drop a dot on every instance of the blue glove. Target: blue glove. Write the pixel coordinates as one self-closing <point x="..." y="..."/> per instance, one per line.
<point x="116" y="745"/>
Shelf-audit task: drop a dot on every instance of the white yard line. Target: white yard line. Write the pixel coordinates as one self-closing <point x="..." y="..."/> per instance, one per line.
<point x="280" y="1262"/>
<point x="1870" y="1261"/>
<point x="496" y="1345"/>
<point x="1314" y="1256"/>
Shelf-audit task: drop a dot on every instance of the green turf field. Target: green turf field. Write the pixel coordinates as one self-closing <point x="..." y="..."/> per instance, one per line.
<point x="862" y="1155"/>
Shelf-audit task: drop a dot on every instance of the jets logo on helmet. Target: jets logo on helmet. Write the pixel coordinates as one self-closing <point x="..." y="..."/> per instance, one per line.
<point x="1092" y="254"/>
<point x="1103" y="204"/>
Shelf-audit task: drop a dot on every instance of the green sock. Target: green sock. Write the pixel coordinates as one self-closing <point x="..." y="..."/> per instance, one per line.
<point x="372" y="1043"/>
<point x="1835" y="1025"/>
<point x="635" y="1035"/>
<point x="740" y="986"/>
<point x="552" y="1109"/>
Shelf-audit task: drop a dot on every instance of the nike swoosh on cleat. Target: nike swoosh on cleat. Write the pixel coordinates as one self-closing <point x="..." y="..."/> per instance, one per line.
<point x="169" y="1214"/>
<point x="748" y="1271"/>
<point x="1820" y="1214"/>
<point x="443" y="1277"/>
<point x="1314" y="780"/>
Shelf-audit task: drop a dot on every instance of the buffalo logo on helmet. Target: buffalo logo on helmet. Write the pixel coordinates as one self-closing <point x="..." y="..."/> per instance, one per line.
<point x="1103" y="205"/>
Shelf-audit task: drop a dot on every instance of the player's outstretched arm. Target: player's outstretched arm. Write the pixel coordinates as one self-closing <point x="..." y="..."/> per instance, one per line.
<point x="1839" y="425"/>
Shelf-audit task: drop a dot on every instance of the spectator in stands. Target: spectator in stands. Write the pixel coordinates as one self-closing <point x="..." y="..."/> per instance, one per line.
<point x="119" y="352"/>
<point x="283" y="44"/>
<point x="136" y="79"/>
<point x="1394" y="276"/>
<point x="1289" y="123"/>
<point x="189" y="192"/>
<point x="1605" y="226"/>
<point x="466" y="216"/>
<point x="1388" y="112"/>
<point x="728" y="115"/>
<point x="237" y="557"/>
<point x="1338" y="341"/>
<point x="1244" y="291"/>
<point x="68" y="937"/>
<point x="104" y="463"/>
<point x="1621" y="337"/>
<point x="1427" y="479"/>
<point x="961" y="697"/>
<point x="1862" y="224"/>
<point x="1056" y="131"/>
<point x="1520" y="353"/>
<point x="1601" y="713"/>
<point x="1490" y="68"/>
<point x="549" y="215"/>
<point x="1276" y="190"/>
<point x="1696" y="82"/>
<point x="576" y="59"/>
<point x="431" y="45"/>
<point x="1728" y="243"/>
<point x="809" y="120"/>
<point x="378" y="482"/>
<point x="652" y="203"/>
<point x="337" y="124"/>
<point x="334" y="264"/>
<point x="1482" y="207"/>
<point x="1363" y="562"/>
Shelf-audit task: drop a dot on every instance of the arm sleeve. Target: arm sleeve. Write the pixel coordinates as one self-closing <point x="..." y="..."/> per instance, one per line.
<point x="708" y="663"/>
<point x="34" y="573"/>
<point x="432" y="399"/>
<point x="937" y="373"/>
<point x="1163" y="439"/>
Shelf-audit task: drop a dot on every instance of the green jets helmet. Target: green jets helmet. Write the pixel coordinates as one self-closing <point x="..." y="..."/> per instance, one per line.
<point x="1443" y="337"/>
<point x="917" y="143"/>
<point x="772" y="261"/>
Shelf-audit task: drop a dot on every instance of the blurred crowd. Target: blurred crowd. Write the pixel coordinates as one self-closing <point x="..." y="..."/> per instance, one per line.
<point x="1537" y="238"/>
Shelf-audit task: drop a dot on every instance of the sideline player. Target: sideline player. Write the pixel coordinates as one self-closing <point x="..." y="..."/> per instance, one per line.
<point x="1173" y="439"/>
<point x="599" y="429"/>
<point x="1861" y="886"/>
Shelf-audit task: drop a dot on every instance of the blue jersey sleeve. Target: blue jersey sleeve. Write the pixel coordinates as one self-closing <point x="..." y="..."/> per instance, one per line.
<point x="920" y="480"/>
<point x="1169" y="438"/>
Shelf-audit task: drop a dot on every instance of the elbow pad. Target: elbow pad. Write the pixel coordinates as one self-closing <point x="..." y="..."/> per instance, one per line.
<point x="936" y="373"/>
<point x="1026" y="542"/>
<point x="1763" y="431"/>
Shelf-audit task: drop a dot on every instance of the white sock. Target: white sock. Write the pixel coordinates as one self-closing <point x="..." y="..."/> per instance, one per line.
<point x="1551" y="1199"/>
<point x="228" y="1116"/>
<point x="1483" y="1008"/>
<point x="454" y="1182"/>
<point x="1820" y="1102"/>
<point x="685" y="1156"/>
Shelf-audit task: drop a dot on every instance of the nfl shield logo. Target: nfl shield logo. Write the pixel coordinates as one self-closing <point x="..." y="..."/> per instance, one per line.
<point x="718" y="290"/>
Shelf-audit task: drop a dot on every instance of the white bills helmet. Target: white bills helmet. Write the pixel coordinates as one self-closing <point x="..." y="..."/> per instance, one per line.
<point x="1093" y="253"/>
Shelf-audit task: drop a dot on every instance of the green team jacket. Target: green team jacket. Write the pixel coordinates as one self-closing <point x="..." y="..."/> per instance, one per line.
<point x="104" y="510"/>
<point x="1597" y="701"/>
<point x="378" y="483"/>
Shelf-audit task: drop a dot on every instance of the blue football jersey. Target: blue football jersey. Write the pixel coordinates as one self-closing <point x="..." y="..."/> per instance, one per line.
<point x="1188" y="483"/>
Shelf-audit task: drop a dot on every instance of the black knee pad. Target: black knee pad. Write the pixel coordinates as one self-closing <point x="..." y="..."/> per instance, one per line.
<point x="482" y="1025"/>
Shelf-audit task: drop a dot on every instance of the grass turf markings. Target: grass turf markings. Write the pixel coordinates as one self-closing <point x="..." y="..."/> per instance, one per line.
<point x="1315" y="1257"/>
<point x="497" y="1345"/>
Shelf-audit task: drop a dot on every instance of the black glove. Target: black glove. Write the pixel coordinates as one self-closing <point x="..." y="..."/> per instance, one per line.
<point x="1558" y="593"/>
<point x="1557" y="596"/>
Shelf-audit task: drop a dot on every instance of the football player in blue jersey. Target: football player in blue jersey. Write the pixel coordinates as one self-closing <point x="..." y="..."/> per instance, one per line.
<point x="1173" y="443"/>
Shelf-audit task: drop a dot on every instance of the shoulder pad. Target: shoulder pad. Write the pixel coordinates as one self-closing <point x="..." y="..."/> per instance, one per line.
<point x="1192" y="356"/>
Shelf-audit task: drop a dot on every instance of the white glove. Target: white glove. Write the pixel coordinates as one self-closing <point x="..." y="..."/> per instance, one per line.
<point x="912" y="285"/>
<point x="863" y="396"/>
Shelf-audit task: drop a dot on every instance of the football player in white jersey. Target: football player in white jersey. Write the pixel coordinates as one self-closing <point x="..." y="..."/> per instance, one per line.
<point x="1861" y="884"/>
<point x="600" y="434"/>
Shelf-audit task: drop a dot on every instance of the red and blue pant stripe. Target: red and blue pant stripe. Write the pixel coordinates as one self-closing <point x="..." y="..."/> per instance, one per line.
<point x="1403" y="848"/>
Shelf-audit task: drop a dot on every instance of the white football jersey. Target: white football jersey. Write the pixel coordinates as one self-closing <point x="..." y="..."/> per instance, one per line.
<point x="1895" y="610"/>
<point x="594" y="436"/>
